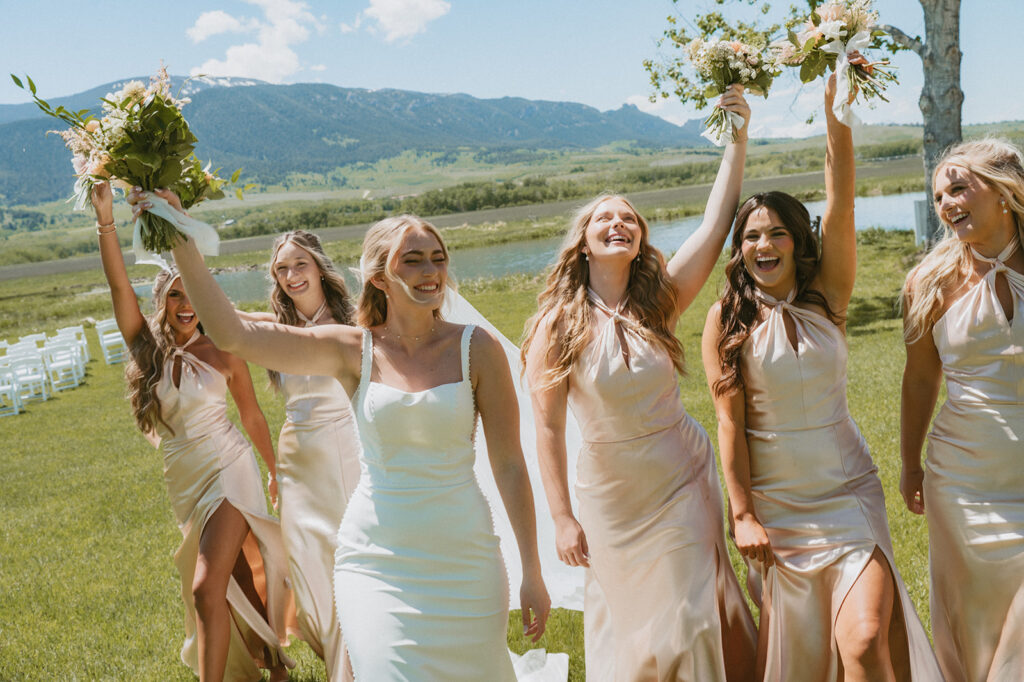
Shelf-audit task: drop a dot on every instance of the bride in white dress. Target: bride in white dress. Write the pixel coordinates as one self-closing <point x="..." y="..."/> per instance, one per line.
<point x="419" y="569"/>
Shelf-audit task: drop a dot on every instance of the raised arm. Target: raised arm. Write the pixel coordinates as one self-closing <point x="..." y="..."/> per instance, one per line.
<point x="253" y="420"/>
<point x="499" y="414"/>
<point x="329" y="350"/>
<point x="549" y="407"/>
<point x="838" y="240"/>
<point x="922" y="375"/>
<point x="691" y="265"/>
<point x="750" y="536"/>
<point x="130" y="320"/>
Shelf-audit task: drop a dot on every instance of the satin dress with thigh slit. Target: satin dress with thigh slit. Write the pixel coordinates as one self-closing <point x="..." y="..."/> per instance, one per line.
<point x="660" y="592"/>
<point x="208" y="462"/>
<point x="818" y="495"/>
<point x="974" y="484"/>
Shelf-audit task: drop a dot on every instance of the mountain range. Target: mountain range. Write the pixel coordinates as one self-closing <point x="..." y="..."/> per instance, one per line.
<point x="273" y="130"/>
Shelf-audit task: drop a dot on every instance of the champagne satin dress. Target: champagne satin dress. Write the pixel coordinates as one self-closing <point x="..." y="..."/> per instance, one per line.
<point x="817" y="493"/>
<point x="207" y="461"/>
<point x="974" y="485"/>
<point x="419" y="578"/>
<point x="660" y="590"/>
<point x="317" y="470"/>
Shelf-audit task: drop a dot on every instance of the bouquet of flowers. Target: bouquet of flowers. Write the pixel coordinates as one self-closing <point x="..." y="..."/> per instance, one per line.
<point x="832" y="32"/>
<point x="142" y="140"/>
<point x="720" y="64"/>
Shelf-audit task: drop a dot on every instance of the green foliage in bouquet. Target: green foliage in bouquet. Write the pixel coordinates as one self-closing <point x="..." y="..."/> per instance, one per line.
<point x="142" y="140"/>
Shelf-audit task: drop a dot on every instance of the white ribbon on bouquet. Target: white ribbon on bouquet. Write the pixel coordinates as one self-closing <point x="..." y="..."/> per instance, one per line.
<point x="841" y="106"/>
<point x="205" y="237"/>
<point x="733" y="122"/>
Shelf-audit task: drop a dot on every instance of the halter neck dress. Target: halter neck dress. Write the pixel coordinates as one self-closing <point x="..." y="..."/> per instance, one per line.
<point x="207" y="461"/>
<point x="817" y="493"/>
<point x="317" y="469"/>
<point x="660" y="592"/>
<point x="974" y="484"/>
<point x="419" y="578"/>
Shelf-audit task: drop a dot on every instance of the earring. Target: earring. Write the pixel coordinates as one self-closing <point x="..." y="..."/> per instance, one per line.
<point x="1002" y="202"/>
<point x="586" y="256"/>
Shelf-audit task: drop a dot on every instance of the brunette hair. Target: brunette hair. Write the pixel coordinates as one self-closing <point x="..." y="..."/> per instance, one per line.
<point x="149" y="351"/>
<point x="564" y="305"/>
<point x="739" y="298"/>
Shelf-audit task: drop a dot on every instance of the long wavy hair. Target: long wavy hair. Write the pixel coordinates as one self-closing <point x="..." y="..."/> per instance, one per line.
<point x="377" y="260"/>
<point x="999" y="165"/>
<point x="339" y="302"/>
<point x="564" y="305"/>
<point x="739" y="297"/>
<point x="149" y="351"/>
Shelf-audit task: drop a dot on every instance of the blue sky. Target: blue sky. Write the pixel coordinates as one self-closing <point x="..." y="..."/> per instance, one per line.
<point x="587" y="51"/>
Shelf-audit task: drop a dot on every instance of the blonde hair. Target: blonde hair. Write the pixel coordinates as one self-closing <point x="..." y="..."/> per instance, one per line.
<point x="564" y="305"/>
<point x="377" y="260"/>
<point x="149" y="352"/>
<point x="999" y="165"/>
<point x="332" y="282"/>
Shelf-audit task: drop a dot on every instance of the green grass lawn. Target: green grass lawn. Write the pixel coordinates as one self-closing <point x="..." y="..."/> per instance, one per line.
<point x="88" y="590"/>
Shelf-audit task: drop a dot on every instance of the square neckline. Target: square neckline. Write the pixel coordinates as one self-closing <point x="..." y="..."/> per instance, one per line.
<point x="367" y="363"/>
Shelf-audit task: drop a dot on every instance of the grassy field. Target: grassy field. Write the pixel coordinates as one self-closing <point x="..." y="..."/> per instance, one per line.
<point x="88" y="590"/>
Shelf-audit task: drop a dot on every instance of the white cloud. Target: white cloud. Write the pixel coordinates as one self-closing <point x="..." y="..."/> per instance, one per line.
<point x="285" y="23"/>
<point x="400" y="19"/>
<point x="217" y="22"/>
<point x="318" y="67"/>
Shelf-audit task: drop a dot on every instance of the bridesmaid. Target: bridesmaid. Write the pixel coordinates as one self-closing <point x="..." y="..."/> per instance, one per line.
<point x="318" y="449"/>
<point x="419" y="571"/>
<point x="964" y="318"/>
<point x="806" y="504"/>
<point x="661" y="601"/>
<point x="176" y="383"/>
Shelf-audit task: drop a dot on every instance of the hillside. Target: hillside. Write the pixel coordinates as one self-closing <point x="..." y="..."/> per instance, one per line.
<point x="274" y="130"/>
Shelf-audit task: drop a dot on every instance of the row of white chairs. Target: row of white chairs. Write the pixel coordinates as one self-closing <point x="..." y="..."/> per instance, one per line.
<point x="38" y="365"/>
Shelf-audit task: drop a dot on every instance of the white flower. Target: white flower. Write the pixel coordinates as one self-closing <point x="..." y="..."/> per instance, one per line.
<point x="832" y="30"/>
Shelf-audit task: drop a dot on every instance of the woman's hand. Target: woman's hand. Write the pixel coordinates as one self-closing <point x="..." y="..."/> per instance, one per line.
<point x="103" y="203"/>
<point x="752" y="540"/>
<point x="534" y="599"/>
<point x="734" y="102"/>
<point x="139" y="203"/>
<point x="571" y="542"/>
<point x="912" y="488"/>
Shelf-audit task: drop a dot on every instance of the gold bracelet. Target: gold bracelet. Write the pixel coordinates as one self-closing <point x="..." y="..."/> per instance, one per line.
<point x="106" y="229"/>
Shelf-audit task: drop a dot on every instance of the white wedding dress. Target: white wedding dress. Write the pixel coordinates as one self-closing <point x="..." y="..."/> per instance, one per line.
<point x="418" y="568"/>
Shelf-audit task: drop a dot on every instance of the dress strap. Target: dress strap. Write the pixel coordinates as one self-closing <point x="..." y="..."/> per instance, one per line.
<point x="771" y="301"/>
<point x="366" y="364"/>
<point x="179" y="351"/>
<point x="311" y="321"/>
<point x="467" y="336"/>
<point x="616" y="314"/>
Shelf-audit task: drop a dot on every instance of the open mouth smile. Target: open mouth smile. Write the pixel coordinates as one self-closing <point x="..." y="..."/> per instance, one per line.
<point x="766" y="263"/>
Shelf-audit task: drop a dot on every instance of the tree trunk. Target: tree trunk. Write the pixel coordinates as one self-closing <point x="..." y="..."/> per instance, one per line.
<point x="941" y="99"/>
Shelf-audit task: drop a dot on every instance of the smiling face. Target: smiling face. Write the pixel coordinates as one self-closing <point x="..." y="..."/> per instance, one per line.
<point x="767" y="247"/>
<point x="613" y="232"/>
<point x="971" y="208"/>
<point x="419" y="268"/>
<point x="179" y="313"/>
<point x="297" y="273"/>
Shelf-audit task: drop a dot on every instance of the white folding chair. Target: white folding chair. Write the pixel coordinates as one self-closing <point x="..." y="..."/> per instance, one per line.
<point x="10" y="393"/>
<point x="78" y="331"/>
<point x="111" y="341"/>
<point x="32" y="338"/>
<point x="30" y="372"/>
<point x="63" y="359"/>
